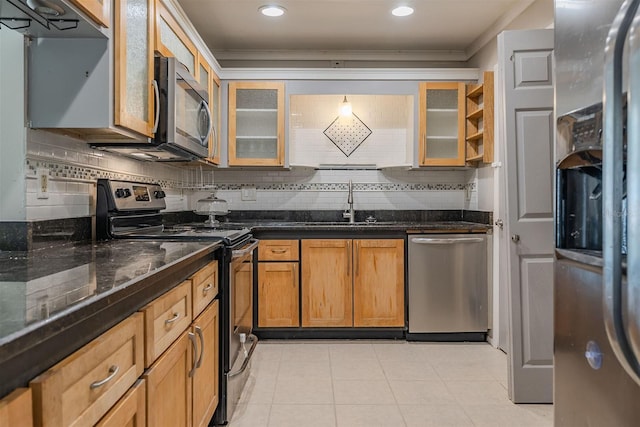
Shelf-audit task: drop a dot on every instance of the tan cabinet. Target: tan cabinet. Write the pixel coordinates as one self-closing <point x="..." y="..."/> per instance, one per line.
<point x="442" y="124"/>
<point x="356" y="282"/>
<point x="205" y="374"/>
<point x="278" y="283"/>
<point x="83" y="387"/>
<point x="130" y="411"/>
<point x="98" y="10"/>
<point x="165" y="319"/>
<point x="208" y="79"/>
<point x="204" y="287"/>
<point x="15" y="409"/>
<point x="171" y="40"/>
<point x="378" y="286"/>
<point x="479" y="118"/>
<point x="134" y="97"/>
<point x="327" y="283"/>
<point x="256" y="124"/>
<point x="169" y="386"/>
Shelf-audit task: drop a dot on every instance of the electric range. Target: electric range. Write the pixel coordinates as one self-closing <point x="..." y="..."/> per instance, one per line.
<point x="131" y="210"/>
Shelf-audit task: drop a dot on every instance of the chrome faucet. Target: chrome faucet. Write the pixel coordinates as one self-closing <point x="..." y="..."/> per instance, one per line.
<point x="351" y="214"/>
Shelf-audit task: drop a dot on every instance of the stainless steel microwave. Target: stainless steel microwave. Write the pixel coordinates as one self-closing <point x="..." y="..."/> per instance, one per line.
<point x="183" y="118"/>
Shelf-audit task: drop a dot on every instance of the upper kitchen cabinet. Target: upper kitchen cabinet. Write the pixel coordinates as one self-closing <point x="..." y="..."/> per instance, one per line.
<point x="442" y="124"/>
<point x="480" y="120"/>
<point x="98" y="10"/>
<point x="93" y="89"/>
<point x="134" y="81"/>
<point x="171" y="40"/>
<point x="256" y="124"/>
<point x="208" y="79"/>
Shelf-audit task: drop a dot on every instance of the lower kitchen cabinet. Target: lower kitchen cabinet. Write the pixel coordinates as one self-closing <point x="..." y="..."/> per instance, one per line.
<point x="82" y="388"/>
<point x="278" y="294"/>
<point x="205" y="374"/>
<point x="278" y="284"/>
<point x="15" y="409"/>
<point x="378" y="286"/>
<point x="130" y="411"/>
<point x="327" y="283"/>
<point x="169" y="385"/>
<point x="182" y="383"/>
<point x="356" y="283"/>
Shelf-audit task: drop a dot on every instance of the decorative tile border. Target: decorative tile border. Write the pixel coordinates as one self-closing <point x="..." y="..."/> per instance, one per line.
<point x="345" y="187"/>
<point x="70" y="171"/>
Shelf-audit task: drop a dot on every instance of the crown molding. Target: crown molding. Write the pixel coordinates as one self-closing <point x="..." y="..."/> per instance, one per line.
<point x="341" y="55"/>
<point x="417" y="74"/>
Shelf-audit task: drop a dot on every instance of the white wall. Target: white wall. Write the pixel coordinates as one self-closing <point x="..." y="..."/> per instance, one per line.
<point x="12" y="131"/>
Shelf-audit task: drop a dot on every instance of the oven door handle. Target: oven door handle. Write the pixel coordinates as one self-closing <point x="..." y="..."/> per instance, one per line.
<point x="253" y="243"/>
<point x="247" y="359"/>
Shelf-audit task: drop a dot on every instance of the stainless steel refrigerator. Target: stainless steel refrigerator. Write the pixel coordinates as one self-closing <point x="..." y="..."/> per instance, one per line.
<point x="597" y="269"/>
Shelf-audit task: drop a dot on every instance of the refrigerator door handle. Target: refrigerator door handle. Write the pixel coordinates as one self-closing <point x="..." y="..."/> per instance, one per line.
<point x="633" y="190"/>
<point x="612" y="193"/>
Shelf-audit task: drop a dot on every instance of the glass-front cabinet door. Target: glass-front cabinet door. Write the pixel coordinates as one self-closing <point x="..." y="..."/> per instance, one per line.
<point x="442" y="121"/>
<point x="134" y="106"/>
<point x="256" y="124"/>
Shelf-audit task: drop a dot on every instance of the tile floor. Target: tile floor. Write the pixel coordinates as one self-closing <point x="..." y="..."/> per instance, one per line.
<point x="381" y="383"/>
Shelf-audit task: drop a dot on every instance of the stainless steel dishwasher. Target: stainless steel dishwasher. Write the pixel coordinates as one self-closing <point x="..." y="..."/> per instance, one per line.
<point x="448" y="293"/>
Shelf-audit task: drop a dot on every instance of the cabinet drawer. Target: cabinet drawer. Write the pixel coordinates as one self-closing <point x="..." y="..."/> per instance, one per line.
<point x="130" y="411"/>
<point x="15" y="409"/>
<point x="165" y="319"/>
<point x="79" y="390"/>
<point x="278" y="250"/>
<point x="204" y="287"/>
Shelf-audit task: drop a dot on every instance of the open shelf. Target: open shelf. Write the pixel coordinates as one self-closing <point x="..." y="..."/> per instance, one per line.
<point x="479" y="122"/>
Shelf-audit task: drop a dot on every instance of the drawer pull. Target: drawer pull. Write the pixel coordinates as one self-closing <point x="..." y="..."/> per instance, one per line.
<point x="113" y="371"/>
<point x="278" y="251"/>
<point x="175" y="317"/>
<point x="207" y="288"/>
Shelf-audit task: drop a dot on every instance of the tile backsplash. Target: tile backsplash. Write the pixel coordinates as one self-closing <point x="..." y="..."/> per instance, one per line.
<point x="74" y="168"/>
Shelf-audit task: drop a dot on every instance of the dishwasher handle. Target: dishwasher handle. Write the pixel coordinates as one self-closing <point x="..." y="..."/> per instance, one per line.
<point x="434" y="241"/>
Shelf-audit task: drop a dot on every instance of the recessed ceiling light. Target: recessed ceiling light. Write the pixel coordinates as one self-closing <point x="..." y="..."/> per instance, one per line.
<point x="402" y="11"/>
<point x="272" y="10"/>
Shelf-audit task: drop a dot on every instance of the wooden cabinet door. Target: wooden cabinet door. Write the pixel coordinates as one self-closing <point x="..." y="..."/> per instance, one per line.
<point x="256" y="124"/>
<point x="98" y="10"/>
<point x="278" y="294"/>
<point x="134" y="93"/>
<point x="171" y="40"/>
<point x="15" y="409"/>
<point x="442" y="124"/>
<point x="130" y="411"/>
<point x="205" y="376"/>
<point x="327" y="282"/>
<point x="169" y="386"/>
<point x="378" y="289"/>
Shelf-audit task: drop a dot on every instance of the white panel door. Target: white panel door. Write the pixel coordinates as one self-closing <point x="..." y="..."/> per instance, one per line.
<point x="526" y="57"/>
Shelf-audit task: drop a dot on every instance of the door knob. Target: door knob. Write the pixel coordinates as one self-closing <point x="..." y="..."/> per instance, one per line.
<point x="499" y="223"/>
<point x="515" y="238"/>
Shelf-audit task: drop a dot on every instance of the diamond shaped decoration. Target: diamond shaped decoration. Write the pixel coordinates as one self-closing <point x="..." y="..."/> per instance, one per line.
<point x="347" y="133"/>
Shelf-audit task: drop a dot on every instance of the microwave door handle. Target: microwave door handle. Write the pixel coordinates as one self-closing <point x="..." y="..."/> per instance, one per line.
<point x="612" y="189"/>
<point x="210" y="121"/>
<point x="632" y="181"/>
<point x="156" y="92"/>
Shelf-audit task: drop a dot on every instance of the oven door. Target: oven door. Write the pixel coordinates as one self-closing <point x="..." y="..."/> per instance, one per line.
<point x="241" y="342"/>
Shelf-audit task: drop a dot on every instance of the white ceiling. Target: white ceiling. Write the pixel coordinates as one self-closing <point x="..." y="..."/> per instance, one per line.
<point x="349" y="29"/>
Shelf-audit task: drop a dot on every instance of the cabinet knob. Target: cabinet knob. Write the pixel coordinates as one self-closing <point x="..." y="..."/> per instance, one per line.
<point x="499" y="223"/>
<point x="515" y="238"/>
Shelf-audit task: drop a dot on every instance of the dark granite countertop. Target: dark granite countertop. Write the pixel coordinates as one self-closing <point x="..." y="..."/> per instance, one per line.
<point x="404" y="226"/>
<point x="54" y="300"/>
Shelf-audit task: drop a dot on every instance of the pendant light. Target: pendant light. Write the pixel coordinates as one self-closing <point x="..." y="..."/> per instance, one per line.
<point x="345" y="107"/>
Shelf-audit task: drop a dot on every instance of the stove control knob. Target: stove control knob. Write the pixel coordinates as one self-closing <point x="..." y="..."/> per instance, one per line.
<point x="159" y="194"/>
<point x="120" y="193"/>
<point x="127" y="193"/>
